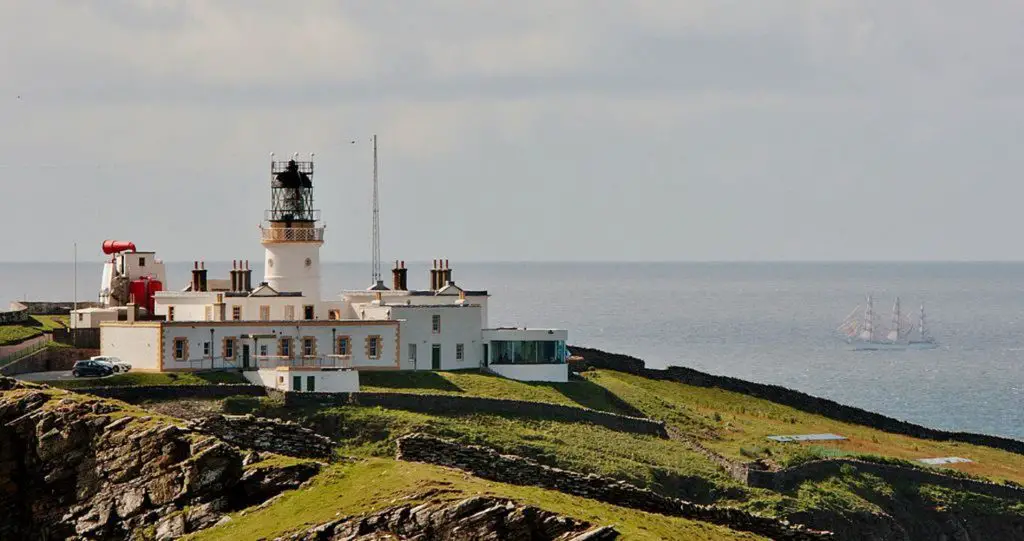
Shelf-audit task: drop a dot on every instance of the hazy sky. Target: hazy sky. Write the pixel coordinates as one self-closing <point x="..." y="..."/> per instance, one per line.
<point x="557" y="130"/>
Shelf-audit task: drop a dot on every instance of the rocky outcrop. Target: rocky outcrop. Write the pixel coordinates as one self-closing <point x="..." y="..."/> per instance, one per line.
<point x="261" y="434"/>
<point x="76" y="467"/>
<point x="489" y="464"/>
<point x="478" y="518"/>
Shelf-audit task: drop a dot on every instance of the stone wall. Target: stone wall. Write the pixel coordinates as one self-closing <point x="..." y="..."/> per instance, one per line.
<point x="788" y="397"/>
<point x="83" y="338"/>
<point x="139" y="393"/>
<point x="461" y="405"/>
<point x="48" y="359"/>
<point x="489" y="464"/>
<point x="54" y="308"/>
<point x="260" y="434"/>
<point x="17" y="313"/>
<point x="792" y="477"/>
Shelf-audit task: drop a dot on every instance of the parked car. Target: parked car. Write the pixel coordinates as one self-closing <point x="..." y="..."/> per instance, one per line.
<point x="116" y="363"/>
<point x="91" y="368"/>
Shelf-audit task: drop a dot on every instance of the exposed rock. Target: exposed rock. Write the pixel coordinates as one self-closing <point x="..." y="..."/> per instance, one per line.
<point x="477" y="518"/>
<point x="490" y="464"/>
<point x="78" y="467"/>
<point x="261" y="434"/>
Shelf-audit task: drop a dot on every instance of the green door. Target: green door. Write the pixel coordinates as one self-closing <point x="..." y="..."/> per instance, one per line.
<point x="296" y="383"/>
<point x="435" y="357"/>
<point x="311" y="383"/>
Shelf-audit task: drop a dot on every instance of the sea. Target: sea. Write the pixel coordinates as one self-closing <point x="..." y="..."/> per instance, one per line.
<point x="766" y="322"/>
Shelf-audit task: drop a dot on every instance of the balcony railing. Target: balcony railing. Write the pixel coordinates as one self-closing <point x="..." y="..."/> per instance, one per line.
<point x="292" y="234"/>
<point x="309" y="361"/>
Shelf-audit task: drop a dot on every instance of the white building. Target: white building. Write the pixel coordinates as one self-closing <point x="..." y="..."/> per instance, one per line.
<point x="283" y="335"/>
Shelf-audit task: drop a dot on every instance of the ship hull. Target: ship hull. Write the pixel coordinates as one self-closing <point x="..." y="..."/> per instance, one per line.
<point x="892" y="346"/>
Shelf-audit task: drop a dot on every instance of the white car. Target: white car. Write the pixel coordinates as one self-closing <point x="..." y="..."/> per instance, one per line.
<point x="116" y="363"/>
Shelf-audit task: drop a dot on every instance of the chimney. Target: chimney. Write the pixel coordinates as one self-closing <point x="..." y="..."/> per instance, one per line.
<point x="234" y="275"/>
<point x="447" y="273"/>
<point x="195" y="276"/>
<point x="247" y="278"/>
<point x="396" y="277"/>
<point x="404" y="275"/>
<point x="202" y="276"/>
<point x="434" y="272"/>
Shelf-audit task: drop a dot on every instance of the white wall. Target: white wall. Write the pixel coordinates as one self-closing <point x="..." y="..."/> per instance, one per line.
<point x="326" y="381"/>
<point x="459" y="325"/>
<point x="285" y="268"/>
<point x="196" y="333"/>
<point x="137" y="345"/>
<point x="558" y="373"/>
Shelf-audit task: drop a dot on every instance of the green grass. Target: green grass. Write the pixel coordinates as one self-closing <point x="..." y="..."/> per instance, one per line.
<point x="374" y="484"/>
<point x="153" y="378"/>
<point x="474" y="383"/>
<point x="737" y="426"/>
<point x="35" y="326"/>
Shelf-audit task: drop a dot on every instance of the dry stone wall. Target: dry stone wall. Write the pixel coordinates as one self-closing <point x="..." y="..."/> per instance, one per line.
<point x="795" y="399"/>
<point x="489" y="464"/>
<point x="261" y="434"/>
<point x="138" y="393"/>
<point x="460" y="405"/>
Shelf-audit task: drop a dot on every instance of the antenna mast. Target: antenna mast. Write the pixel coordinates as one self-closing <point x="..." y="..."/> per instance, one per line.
<point x="375" y="241"/>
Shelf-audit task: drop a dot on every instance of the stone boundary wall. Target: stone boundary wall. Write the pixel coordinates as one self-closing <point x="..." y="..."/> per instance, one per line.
<point x="460" y="405"/>
<point x="489" y="464"/>
<point x="83" y="338"/>
<point x="261" y="434"/>
<point x="788" y="397"/>
<point x="47" y="359"/>
<point x="54" y="308"/>
<point x="17" y="313"/>
<point x="791" y="477"/>
<point x="138" y="393"/>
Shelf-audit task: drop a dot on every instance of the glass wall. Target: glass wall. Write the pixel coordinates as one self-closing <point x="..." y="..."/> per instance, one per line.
<point x="528" y="352"/>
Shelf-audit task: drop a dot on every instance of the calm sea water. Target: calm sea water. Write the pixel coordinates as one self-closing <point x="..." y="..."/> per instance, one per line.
<point x="768" y="322"/>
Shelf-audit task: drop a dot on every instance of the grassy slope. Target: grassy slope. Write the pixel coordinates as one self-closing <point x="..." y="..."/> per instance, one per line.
<point x="473" y="383"/>
<point x="35" y="326"/>
<point x="736" y="425"/>
<point x="152" y="378"/>
<point x="379" y="483"/>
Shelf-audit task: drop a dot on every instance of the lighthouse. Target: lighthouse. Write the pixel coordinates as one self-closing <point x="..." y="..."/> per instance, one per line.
<point x="292" y="232"/>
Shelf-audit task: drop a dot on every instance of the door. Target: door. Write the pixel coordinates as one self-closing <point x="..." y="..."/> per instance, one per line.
<point x="296" y="383"/>
<point x="487" y="359"/>
<point x="435" y="357"/>
<point x="311" y="383"/>
<point x="245" y="356"/>
<point x="308" y="312"/>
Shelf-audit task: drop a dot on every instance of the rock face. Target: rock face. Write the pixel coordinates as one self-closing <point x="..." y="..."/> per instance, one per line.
<point x="489" y="464"/>
<point x="479" y="518"/>
<point x="82" y="468"/>
<point x="260" y="434"/>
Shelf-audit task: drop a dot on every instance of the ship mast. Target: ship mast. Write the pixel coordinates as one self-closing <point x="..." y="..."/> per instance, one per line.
<point x="894" y="332"/>
<point x="920" y="327"/>
<point x="869" y="324"/>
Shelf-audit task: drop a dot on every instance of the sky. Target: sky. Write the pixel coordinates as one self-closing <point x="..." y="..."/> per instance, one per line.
<point x="568" y="130"/>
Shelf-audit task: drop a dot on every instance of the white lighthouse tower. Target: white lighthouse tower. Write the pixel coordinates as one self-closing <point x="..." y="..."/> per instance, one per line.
<point x="292" y="233"/>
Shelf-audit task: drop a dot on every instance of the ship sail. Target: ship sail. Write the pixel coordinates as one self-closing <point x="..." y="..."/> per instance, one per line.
<point x="894" y="330"/>
<point x="861" y="329"/>
<point x="868" y="330"/>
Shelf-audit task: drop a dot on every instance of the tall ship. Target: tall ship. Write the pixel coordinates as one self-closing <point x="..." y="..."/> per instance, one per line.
<point x="861" y="330"/>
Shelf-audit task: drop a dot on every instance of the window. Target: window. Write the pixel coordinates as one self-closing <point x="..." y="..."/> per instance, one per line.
<point x="334" y="314"/>
<point x="284" y="348"/>
<point x="436" y="323"/>
<point x="264" y="350"/>
<point x="459" y="351"/>
<point x="206" y="349"/>
<point x="311" y="383"/>
<point x="308" y="346"/>
<point x="79" y="317"/>
<point x="229" y="348"/>
<point x="343" y="346"/>
<point x="307" y="311"/>
<point x="170" y="313"/>
<point x="180" y="349"/>
<point x="265" y="313"/>
<point x="289" y="313"/>
<point x="373" y="344"/>
<point x="412" y="352"/>
<point x="236" y="312"/>
<point x="142" y="262"/>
